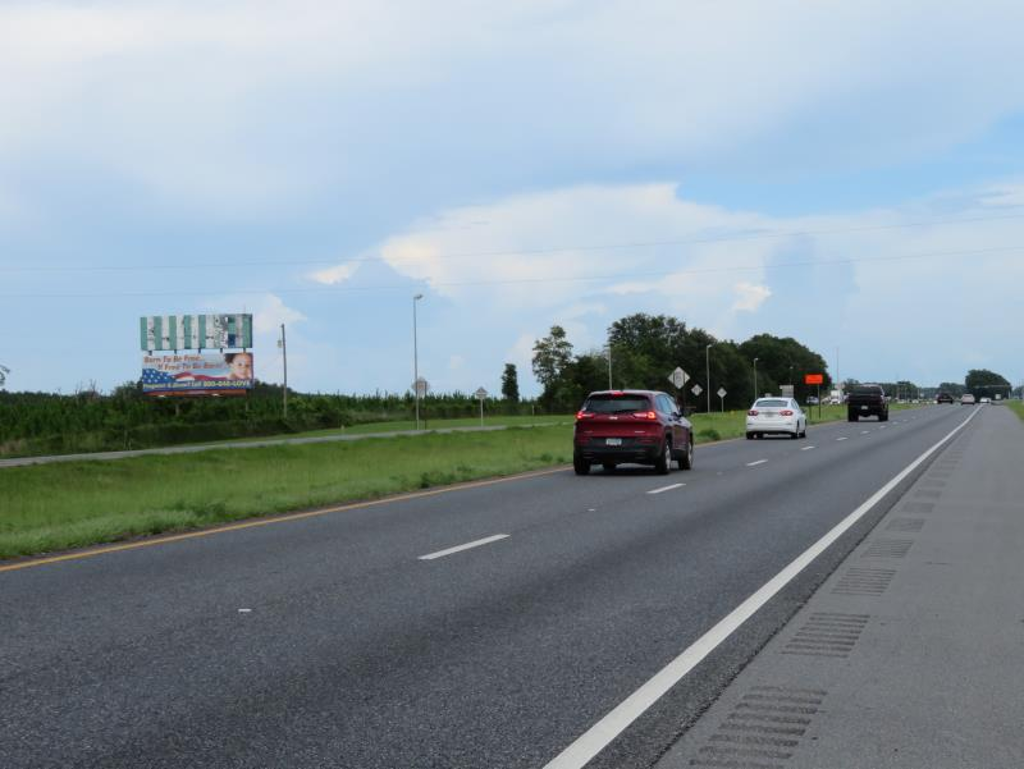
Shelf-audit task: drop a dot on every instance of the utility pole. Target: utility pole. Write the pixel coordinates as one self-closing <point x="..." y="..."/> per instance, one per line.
<point x="283" y="344"/>
<point x="610" y="366"/>
<point x="755" y="378"/>
<point x="707" y="372"/>
<point x="416" y="360"/>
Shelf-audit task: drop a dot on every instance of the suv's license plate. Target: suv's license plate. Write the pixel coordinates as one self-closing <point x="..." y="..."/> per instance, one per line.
<point x="613" y="442"/>
<point x="863" y="408"/>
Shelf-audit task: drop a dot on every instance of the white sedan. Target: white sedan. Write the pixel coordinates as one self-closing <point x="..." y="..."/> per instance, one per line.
<point x="776" y="415"/>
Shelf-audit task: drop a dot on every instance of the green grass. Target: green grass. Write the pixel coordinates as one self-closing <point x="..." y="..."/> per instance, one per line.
<point x="44" y="508"/>
<point x="61" y="506"/>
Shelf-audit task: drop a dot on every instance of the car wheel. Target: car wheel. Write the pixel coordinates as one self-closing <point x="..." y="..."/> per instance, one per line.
<point x="795" y="434"/>
<point x="686" y="460"/>
<point x="580" y="465"/>
<point x="884" y="417"/>
<point x="609" y="467"/>
<point x="750" y="436"/>
<point x="664" y="463"/>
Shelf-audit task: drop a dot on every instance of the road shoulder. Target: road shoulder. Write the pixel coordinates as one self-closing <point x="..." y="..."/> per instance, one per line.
<point x="910" y="654"/>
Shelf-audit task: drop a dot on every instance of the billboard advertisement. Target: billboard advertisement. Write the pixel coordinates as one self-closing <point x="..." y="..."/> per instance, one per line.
<point x="198" y="374"/>
<point x="194" y="332"/>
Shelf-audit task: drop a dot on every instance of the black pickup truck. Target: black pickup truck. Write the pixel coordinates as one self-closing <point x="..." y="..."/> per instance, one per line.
<point x="867" y="400"/>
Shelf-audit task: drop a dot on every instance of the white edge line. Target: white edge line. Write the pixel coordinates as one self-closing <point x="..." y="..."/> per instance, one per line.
<point x="460" y="548"/>
<point x="666" y="488"/>
<point x="595" y="739"/>
<point x="758" y="462"/>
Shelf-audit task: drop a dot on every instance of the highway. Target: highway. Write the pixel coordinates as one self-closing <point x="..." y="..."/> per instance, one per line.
<point x="487" y="626"/>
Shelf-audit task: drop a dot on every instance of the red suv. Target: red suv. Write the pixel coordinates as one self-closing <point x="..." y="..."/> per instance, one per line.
<point x="641" y="426"/>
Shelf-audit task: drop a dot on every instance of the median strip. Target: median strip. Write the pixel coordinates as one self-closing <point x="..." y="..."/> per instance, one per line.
<point x="460" y="548"/>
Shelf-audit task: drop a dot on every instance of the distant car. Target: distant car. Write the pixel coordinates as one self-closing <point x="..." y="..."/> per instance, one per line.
<point x="812" y="400"/>
<point x="966" y="399"/>
<point x="631" y="426"/>
<point x="867" y="400"/>
<point x="986" y="400"/>
<point x="774" y="416"/>
<point x="943" y="398"/>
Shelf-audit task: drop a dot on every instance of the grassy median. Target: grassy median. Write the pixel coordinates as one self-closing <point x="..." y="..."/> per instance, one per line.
<point x="44" y="508"/>
<point x="61" y="506"/>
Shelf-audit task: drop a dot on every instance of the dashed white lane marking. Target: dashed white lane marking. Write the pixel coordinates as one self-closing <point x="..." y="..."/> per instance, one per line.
<point x="843" y="438"/>
<point x="244" y="611"/>
<point x="758" y="462"/>
<point x="598" y="736"/>
<point x="882" y="427"/>
<point x="808" y="448"/>
<point x="460" y="548"/>
<point x="666" y="488"/>
<point x="864" y="432"/>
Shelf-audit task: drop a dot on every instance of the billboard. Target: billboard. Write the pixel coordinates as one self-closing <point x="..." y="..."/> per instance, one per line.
<point x="194" y="332"/>
<point x="198" y="374"/>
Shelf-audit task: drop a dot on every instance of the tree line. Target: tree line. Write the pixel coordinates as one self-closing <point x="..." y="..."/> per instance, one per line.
<point x="43" y="423"/>
<point x="645" y="349"/>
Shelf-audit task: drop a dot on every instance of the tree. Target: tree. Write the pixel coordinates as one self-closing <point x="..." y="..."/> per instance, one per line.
<point x="551" y="356"/>
<point x="983" y="383"/>
<point x="510" y="383"/>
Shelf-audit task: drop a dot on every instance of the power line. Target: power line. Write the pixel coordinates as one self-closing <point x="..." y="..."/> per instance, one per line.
<point x="758" y="235"/>
<point x="520" y="281"/>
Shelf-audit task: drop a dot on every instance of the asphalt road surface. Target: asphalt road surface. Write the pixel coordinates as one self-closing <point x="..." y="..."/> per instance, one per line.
<point x="334" y="641"/>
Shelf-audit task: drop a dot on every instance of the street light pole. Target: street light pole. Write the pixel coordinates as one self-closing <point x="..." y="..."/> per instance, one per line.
<point x="416" y="360"/>
<point x="284" y="357"/>
<point x="707" y="371"/>
<point x="755" y="378"/>
<point x="609" y="365"/>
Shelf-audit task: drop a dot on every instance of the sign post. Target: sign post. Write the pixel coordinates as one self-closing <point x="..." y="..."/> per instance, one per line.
<point x="420" y="387"/>
<point x="481" y="394"/>
<point x="815" y="379"/>
<point x="680" y="378"/>
<point x="721" y="396"/>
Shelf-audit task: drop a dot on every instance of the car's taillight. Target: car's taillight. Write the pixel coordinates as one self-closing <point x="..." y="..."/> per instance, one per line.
<point x="583" y="415"/>
<point x="752" y="412"/>
<point x="645" y="415"/>
<point x="786" y="413"/>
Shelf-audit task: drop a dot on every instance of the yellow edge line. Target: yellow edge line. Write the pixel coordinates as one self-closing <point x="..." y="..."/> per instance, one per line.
<point x="276" y="519"/>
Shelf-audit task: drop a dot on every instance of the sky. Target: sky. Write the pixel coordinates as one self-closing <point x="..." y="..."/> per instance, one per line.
<point x="849" y="174"/>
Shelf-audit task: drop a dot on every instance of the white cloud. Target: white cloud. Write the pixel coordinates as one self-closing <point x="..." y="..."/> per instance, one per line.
<point x="884" y="274"/>
<point x="187" y="100"/>
<point x="335" y="275"/>
<point x="750" y="297"/>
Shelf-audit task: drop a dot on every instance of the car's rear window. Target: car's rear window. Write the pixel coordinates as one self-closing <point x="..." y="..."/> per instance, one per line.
<point x="867" y="390"/>
<point x="772" y="404"/>
<point x="610" y="404"/>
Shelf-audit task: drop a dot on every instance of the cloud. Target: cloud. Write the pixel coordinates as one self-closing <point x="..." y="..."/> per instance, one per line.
<point x="240" y="107"/>
<point x="335" y="275"/>
<point x="584" y="256"/>
<point x="750" y="296"/>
